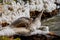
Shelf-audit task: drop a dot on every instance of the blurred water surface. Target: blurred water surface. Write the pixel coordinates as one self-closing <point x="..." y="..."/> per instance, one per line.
<point x="53" y="23"/>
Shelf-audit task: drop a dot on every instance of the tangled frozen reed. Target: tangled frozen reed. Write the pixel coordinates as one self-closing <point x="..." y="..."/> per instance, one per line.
<point x="21" y="9"/>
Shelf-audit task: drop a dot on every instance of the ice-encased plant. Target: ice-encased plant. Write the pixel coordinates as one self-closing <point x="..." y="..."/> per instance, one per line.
<point x="21" y="9"/>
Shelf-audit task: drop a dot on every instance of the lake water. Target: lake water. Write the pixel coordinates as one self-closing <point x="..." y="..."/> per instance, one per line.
<point x="53" y="23"/>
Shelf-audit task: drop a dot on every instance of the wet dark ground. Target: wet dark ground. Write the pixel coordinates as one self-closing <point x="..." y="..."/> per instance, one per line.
<point x="38" y="37"/>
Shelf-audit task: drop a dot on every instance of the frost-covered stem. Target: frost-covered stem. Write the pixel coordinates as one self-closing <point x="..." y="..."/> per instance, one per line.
<point x="39" y="16"/>
<point x="36" y="23"/>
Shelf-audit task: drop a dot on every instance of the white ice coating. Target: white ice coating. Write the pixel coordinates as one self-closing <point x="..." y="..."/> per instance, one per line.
<point x="38" y="5"/>
<point x="23" y="10"/>
<point x="49" y="5"/>
<point x="7" y="31"/>
<point x="20" y="9"/>
<point x="39" y="32"/>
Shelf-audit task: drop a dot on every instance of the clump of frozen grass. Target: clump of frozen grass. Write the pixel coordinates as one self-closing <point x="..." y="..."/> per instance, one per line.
<point x="49" y="5"/>
<point x="22" y="9"/>
<point x="19" y="10"/>
<point x="39" y="5"/>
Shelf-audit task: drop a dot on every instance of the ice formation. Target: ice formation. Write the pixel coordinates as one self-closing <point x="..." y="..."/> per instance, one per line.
<point x="17" y="12"/>
<point x="49" y="5"/>
<point x="7" y="31"/>
<point x="40" y="31"/>
<point x="22" y="9"/>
